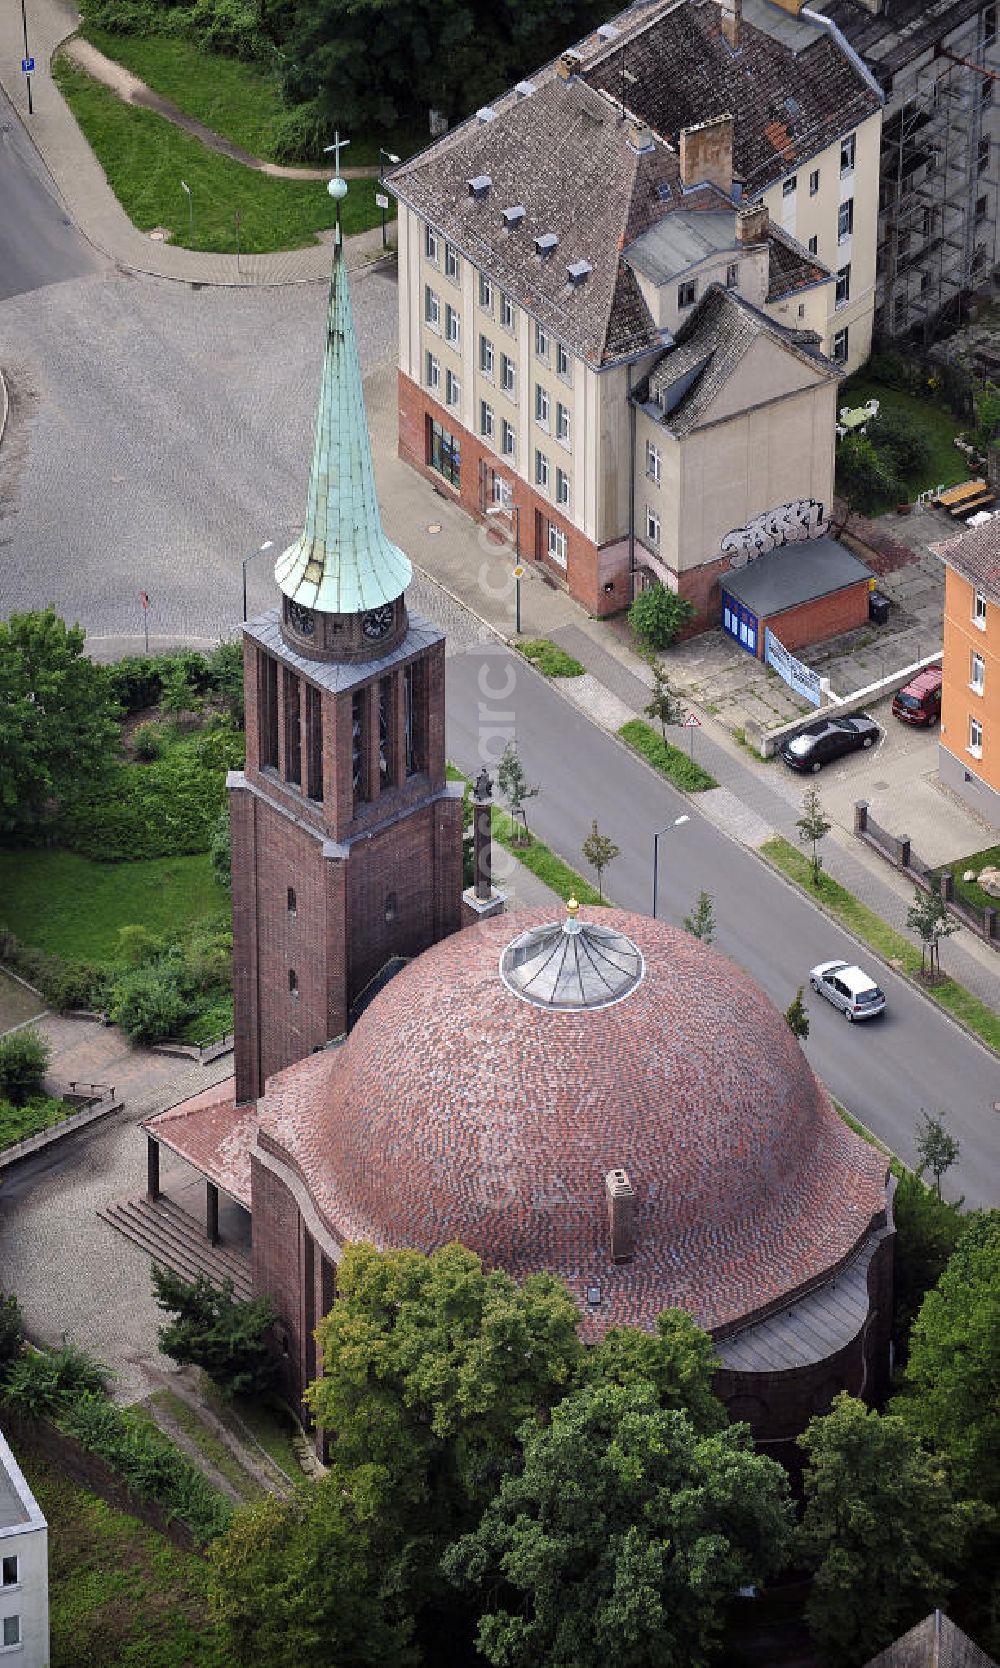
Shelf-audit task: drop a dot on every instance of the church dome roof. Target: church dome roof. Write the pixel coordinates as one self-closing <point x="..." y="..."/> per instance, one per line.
<point x="500" y="1083"/>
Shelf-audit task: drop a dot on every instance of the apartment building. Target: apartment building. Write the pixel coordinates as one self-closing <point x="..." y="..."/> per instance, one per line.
<point x="24" y="1569"/>
<point x="639" y="217"/>
<point x="939" y="173"/>
<point x="969" y="752"/>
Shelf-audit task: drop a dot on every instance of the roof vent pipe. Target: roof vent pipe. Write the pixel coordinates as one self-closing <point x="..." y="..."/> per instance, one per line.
<point x="621" y="1215"/>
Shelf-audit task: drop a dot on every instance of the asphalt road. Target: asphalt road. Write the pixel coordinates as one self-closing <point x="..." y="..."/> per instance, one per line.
<point x="38" y="243"/>
<point x="885" y="1071"/>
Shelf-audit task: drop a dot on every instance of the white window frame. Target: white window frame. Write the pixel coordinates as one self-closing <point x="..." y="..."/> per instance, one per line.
<point x="564" y="365"/>
<point x="486" y="356"/>
<point x="508" y="312"/>
<point x="979" y="610"/>
<point x="452" y="324"/>
<point x="652" y="527"/>
<point x="508" y="439"/>
<point x="487" y="421"/>
<point x="433" y="372"/>
<point x="452" y="262"/>
<point x="814" y="182"/>
<point x="556" y="544"/>
<point x="452" y="388"/>
<point x="975" y="746"/>
<point x="485" y="293"/>
<point x="564" y="424"/>
<point x="432" y="308"/>
<point x="562" y="488"/>
<point x="840" y="348"/>
<point x="843" y="282"/>
<point x="508" y="375"/>
<point x="541" y="343"/>
<point x="432" y="245"/>
<point x="845" y="220"/>
<point x="977" y="672"/>
<point x="654" y="462"/>
<point x="543" y="407"/>
<point x="13" y="1558"/>
<point x="541" y="470"/>
<point x="848" y="154"/>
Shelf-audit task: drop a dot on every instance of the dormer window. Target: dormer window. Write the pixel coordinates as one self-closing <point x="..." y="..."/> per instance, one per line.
<point x="545" y="243"/>
<point x="578" y="271"/>
<point x="512" y="217"/>
<point x="479" y="187"/>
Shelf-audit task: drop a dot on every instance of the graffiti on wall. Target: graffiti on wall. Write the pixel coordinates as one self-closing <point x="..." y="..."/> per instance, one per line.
<point x="803" y="518"/>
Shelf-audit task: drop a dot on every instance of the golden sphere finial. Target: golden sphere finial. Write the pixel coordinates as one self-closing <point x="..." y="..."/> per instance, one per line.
<point x="572" y="908"/>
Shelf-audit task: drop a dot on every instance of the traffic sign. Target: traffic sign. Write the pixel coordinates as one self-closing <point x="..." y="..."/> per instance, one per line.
<point x="381" y="200"/>
<point x="27" y="66"/>
<point x="692" y="722"/>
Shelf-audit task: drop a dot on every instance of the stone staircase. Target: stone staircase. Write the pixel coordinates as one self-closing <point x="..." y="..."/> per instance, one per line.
<point x="176" y="1240"/>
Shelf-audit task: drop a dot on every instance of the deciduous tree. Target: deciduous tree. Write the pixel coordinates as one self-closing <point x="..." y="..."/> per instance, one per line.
<point x="215" y="1330"/>
<point x="881" y="1531"/>
<point x="663" y="706"/>
<point x="678" y="1360"/>
<point x="657" y="615"/>
<point x="928" y="919"/>
<point x="622" y="1538"/>
<point x="813" y="826"/>
<point x="701" y="922"/>
<point x="936" y="1149"/>
<point x="600" y="851"/>
<point x="797" y="1015"/>
<point x="513" y="783"/>
<point x="58" y="729"/>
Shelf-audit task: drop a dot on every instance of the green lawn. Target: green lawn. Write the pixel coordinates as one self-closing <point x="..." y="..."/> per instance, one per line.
<point x="685" y="773"/>
<point x="238" y="100"/>
<point x="537" y="857"/>
<point x="550" y="660"/>
<point x="18" y="1122"/>
<point x="145" y="158"/>
<point x="872" y="930"/>
<point x="120" y="1595"/>
<point x="946" y="466"/>
<point x="967" y="890"/>
<point x="73" y="907"/>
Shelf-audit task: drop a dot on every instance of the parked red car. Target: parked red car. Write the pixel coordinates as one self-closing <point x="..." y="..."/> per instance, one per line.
<point x="920" y="701"/>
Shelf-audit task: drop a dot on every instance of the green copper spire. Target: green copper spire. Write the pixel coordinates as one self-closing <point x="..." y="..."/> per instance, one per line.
<point x="342" y="562"/>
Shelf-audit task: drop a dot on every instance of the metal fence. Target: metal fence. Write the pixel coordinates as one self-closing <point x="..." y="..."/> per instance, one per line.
<point x="897" y="850"/>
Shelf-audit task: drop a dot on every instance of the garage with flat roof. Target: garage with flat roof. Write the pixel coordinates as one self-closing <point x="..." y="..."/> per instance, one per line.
<point x="804" y="593"/>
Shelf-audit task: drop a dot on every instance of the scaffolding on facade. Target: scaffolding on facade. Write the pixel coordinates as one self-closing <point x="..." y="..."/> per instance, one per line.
<point x="938" y="197"/>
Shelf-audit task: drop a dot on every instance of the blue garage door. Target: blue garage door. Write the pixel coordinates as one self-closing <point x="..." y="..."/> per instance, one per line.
<point x="740" y="623"/>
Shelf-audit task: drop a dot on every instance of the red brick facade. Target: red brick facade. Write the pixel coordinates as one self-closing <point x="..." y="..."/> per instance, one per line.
<point x="328" y="887"/>
<point x="813" y="622"/>
<point x="587" y="569"/>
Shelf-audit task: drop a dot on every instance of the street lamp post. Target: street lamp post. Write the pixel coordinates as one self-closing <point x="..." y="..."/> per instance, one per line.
<point x="187" y="191"/>
<point x="267" y="545"/>
<point x="656" y="852"/>
<point x="384" y="157"/>
<point x="515" y="511"/>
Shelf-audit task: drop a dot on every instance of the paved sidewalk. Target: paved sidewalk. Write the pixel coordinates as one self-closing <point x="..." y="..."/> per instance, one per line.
<point x="90" y="201"/>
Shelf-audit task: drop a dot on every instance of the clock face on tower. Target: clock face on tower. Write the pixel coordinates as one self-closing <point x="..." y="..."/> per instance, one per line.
<point x="377" y="623"/>
<point x="303" y="619"/>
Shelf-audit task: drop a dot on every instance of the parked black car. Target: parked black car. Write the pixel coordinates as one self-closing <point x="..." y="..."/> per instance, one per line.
<point x="829" y="738"/>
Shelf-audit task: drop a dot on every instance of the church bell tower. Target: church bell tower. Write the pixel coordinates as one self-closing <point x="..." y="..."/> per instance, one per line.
<point x="346" y="836"/>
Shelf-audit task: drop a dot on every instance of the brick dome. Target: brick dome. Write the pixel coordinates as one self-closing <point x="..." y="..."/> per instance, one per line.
<point x="459" y="1110"/>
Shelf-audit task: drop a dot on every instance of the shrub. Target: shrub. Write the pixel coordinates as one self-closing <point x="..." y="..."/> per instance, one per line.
<point x="682" y="770"/>
<point x="986" y="400"/>
<point x="137" y="946"/>
<point x="38" y="1113"/>
<point x="863" y="475"/>
<point x="225" y="668"/>
<point x="148" y="743"/>
<point x="11" y="1332"/>
<point x="148" y="1461"/>
<point x="900" y="442"/>
<point x="300" y="134"/>
<point x="657" y="615"/>
<point x="149" y="1002"/>
<point x="137" y="681"/>
<point x="927" y="1231"/>
<point x="206" y="954"/>
<point x="220" y="851"/>
<point x="45" y="1382"/>
<point x="168" y="808"/>
<point x="75" y="984"/>
<point x="219" y="746"/>
<point x="24" y="1060"/>
<point x="212" y="1329"/>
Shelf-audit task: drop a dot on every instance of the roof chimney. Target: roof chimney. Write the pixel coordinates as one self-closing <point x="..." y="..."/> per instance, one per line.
<point x="568" y="65"/>
<point x="795" y="6"/>
<point x="707" y="154"/>
<point x="621" y="1215"/>
<point x="732" y="21"/>
<point x="752" y="223"/>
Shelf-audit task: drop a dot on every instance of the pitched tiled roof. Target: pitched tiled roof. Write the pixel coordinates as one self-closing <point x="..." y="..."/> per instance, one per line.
<point x="712" y="343"/>
<point x="790" y="267"/>
<point x="214" y="1134"/>
<point x="562" y="155"/>
<point x="890" y="39"/>
<point x="456" y="1111"/>
<point x="975" y="554"/>
<point x="934" y="1643"/>
<point x="786" y="105"/>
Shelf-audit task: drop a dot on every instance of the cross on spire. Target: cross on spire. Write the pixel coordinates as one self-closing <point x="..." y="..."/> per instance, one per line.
<point x="338" y="145"/>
